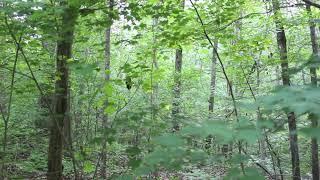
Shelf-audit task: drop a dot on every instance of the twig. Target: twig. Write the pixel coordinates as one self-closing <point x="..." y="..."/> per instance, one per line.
<point x="2" y="112"/>
<point x="218" y="56"/>
<point x="6" y="119"/>
<point x="276" y="156"/>
<point x="97" y="166"/>
<point x="258" y="164"/>
<point x="17" y="42"/>
<point x="224" y="73"/>
<point x="312" y="3"/>
<point x="17" y="72"/>
<point x="240" y="18"/>
<point x="247" y="81"/>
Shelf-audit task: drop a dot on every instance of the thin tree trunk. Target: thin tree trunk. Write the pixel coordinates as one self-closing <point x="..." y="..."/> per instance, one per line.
<point x="176" y="109"/>
<point x="78" y="116"/>
<point x="2" y="158"/>
<point x="4" y="151"/>
<point x="278" y="76"/>
<point x="304" y="81"/>
<point x="209" y="139"/>
<point x="313" y="117"/>
<point x="64" y="49"/>
<point x="282" y="46"/>
<point x="107" y="79"/>
<point x="154" y="86"/>
<point x="213" y="78"/>
<point x="177" y="90"/>
<point x="263" y="147"/>
<point x="154" y="50"/>
<point x="67" y="132"/>
<point x="6" y="118"/>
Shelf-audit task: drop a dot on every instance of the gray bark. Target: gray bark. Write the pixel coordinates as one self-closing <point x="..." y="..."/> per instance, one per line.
<point x="213" y="78"/>
<point x="176" y="109"/>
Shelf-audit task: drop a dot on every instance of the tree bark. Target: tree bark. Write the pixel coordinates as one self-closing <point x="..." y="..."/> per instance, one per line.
<point x="176" y="109"/>
<point x="282" y="47"/>
<point x="313" y="117"/>
<point x="213" y="78"/>
<point x="67" y="122"/>
<point x="263" y="147"/>
<point x="177" y="90"/>
<point x="64" y="49"/>
<point x="209" y="139"/>
<point x="154" y="65"/>
<point x="107" y="79"/>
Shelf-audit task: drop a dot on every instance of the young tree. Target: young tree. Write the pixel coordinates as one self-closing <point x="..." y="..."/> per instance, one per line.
<point x="282" y="47"/>
<point x="176" y="109"/>
<point x="177" y="90"/>
<point x="213" y="77"/>
<point x="313" y="74"/>
<point x="107" y="79"/>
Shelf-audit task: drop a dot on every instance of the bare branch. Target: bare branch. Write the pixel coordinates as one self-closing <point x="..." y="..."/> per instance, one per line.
<point x="219" y="58"/>
<point x="312" y="3"/>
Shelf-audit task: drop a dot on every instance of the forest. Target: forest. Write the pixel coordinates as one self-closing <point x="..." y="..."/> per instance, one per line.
<point x="159" y="89"/>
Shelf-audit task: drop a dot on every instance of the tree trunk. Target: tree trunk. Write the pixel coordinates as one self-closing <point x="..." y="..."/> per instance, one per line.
<point x="278" y="76"/>
<point x="3" y="117"/>
<point x="263" y="147"/>
<point x="176" y="109"/>
<point x="64" y="48"/>
<point x="313" y="117"/>
<point x="107" y="79"/>
<point x="177" y="90"/>
<point x="213" y="78"/>
<point x="209" y="139"/>
<point x="154" y="65"/>
<point x="304" y="81"/>
<point x="67" y="122"/>
<point x="282" y="47"/>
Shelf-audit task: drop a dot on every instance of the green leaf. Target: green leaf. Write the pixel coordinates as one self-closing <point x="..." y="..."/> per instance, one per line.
<point x="252" y="174"/>
<point x="239" y="158"/>
<point x="125" y="177"/>
<point x="110" y="109"/>
<point x="249" y="135"/>
<point x="88" y="167"/>
<point x="265" y="124"/>
<point x="134" y="163"/>
<point x="108" y="89"/>
<point x="169" y="140"/>
<point x="311" y="132"/>
<point x="133" y="150"/>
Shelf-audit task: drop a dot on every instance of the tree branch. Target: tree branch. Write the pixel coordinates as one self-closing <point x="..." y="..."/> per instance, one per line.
<point x="219" y="58"/>
<point x="17" y="44"/>
<point x="51" y="111"/>
<point x="312" y="3"/>
<point x="17" y="72"/>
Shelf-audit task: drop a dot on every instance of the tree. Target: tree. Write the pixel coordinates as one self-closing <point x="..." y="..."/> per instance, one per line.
<point x="282" y="47"/>
<point x="64" y="53"/>
<point x="213" y="78"/>
<point x="176" y="109"/>
<point x="77" y="58"/>
<point x="107" y="79"/>
<point x="313" y="75"/>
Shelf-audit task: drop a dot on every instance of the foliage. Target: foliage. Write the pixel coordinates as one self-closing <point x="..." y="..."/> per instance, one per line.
<point x="245" y="137"/>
